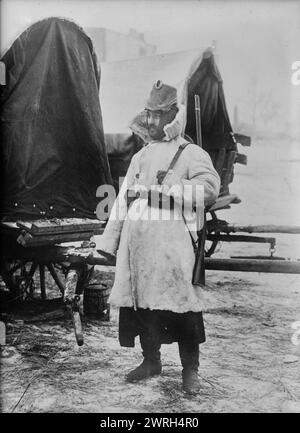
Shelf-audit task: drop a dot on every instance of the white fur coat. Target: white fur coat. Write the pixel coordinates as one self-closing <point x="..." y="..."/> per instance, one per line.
<point x="155" y="257"/>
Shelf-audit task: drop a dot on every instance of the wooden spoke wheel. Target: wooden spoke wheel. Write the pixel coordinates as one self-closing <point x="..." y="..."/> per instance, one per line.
<point x="19" y="277"/>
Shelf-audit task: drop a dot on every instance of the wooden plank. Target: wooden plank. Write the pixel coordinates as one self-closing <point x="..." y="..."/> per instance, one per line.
<point x="27" y="225"/>
<point x="9" y="224"/>
<point x="241" y="238"/>
<point x="27" y="240"/>
<point x="60" y="225"/>
<point x="42" y="281"/>
<point x="270" y="228"/>
<point x="223" y="201"/>
<point x="254" y="265"/>
<point x="240" y="158"/>
<point x="244" y="140"/>
<point x="56" y="226"/>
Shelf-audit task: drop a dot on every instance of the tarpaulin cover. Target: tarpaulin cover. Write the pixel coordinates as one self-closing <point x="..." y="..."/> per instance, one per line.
<point x="206" y="82"/>
<point x="53" y="154"/>
<point x="121" y="148"/>
<point x="125" y="86"/>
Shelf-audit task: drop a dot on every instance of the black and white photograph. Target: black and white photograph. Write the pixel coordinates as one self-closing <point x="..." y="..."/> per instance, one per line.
<point x="150" y="209"/>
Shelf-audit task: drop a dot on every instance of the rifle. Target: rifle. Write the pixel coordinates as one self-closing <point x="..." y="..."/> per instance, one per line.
<point x="199" y="247"/>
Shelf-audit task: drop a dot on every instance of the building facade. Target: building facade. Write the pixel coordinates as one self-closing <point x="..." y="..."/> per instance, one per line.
<point x="112" y="46"/>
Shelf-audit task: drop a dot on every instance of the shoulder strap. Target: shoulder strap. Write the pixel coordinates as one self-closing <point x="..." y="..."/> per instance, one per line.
<point x="176" y="156"/>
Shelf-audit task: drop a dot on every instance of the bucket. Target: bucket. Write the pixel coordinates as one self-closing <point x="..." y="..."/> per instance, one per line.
<point x="95" y="303"/>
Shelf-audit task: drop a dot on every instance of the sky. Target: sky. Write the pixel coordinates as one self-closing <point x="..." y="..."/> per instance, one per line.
<point x="256" y="42"/>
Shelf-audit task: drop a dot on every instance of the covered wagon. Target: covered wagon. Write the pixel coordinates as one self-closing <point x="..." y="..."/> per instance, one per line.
<point x="53" y="154"/>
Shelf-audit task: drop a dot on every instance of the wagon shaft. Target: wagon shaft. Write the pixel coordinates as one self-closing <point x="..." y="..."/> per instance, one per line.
<point x="254" y="265"/>
<point x="270" y="228"/>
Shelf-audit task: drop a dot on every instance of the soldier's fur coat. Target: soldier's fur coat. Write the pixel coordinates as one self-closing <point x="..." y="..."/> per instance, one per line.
<point x="155" y="257"/>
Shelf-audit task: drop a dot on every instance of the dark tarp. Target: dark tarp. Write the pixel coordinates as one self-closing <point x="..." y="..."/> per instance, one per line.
<point x="206" y="82"/>
<point x="120" y="149"/>
<point x="53" y="154"/>
<point x="216" y="128"/>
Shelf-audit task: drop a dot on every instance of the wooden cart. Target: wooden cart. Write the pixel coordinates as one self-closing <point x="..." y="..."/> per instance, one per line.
<point x="29" y="249"/>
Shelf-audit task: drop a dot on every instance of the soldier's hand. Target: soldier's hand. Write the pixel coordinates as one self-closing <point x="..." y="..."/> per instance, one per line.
<point x="160" y="176"/>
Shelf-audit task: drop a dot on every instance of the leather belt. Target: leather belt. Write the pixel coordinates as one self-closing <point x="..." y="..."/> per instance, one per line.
<point x="155" y="199"/>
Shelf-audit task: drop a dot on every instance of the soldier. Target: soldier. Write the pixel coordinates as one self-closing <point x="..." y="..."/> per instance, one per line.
<point x="155" y="256"/>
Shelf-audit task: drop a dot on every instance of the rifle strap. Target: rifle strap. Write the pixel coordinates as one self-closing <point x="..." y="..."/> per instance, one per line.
<point x="175" y="157"/>
<point x="171" y="166"/>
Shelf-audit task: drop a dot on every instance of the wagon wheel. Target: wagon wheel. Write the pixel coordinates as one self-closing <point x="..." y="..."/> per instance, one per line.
<point x="21" y="285"/>
<point x="211" y="244"/>
<point x="20" y="280"/>
<point x="7" y="269"/>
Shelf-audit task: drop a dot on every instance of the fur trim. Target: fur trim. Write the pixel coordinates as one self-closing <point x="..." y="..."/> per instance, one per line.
<point x="175" y="128"/>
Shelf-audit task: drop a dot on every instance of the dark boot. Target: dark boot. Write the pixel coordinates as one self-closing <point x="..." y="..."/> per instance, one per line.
<point x="151" y="365"/>
<point x="189" y="355"/>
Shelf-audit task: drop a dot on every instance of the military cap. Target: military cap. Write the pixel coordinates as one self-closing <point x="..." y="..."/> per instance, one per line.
<point x="162" y="97"/>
